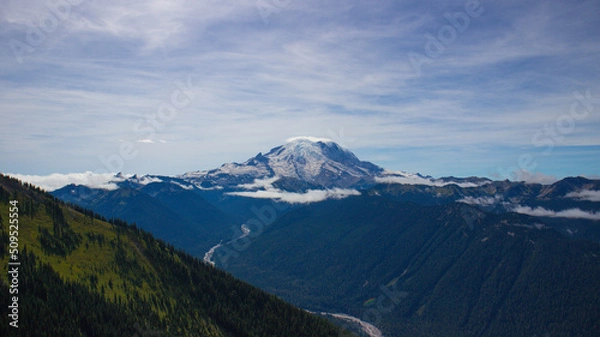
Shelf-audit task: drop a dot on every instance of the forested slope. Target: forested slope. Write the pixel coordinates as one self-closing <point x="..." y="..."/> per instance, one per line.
<point x="82" y="276"/>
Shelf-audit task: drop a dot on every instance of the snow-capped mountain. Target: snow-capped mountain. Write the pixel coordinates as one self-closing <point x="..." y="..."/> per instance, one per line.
<point x="301" y="164"/>
<point x="196" y="210"/>
<point x="317" y="162"/>
<point x="308" y="170"/>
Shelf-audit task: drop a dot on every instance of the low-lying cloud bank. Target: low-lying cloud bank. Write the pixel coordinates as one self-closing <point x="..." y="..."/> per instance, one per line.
<point x="264" y="189"/>
<point x="307" y="197"/>
<point x="260" y="183"/>
<point x="412" y="179"/>
<point x="589" y="195"/>
<point x="481" y="201"/>
<point x="52" y="182"/>
<point x="573" y="213"/>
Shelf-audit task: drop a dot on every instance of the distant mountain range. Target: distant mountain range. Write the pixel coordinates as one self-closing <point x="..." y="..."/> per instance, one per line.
<point x="205" y="204"/>
<point x="312" y="223"/>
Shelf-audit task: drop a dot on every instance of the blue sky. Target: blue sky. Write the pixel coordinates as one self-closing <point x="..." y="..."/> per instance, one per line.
<point x="166" y="87"/>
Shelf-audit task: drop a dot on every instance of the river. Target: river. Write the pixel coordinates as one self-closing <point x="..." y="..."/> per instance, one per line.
<point x="209" y="255"/>
<point x="368" y="328"/>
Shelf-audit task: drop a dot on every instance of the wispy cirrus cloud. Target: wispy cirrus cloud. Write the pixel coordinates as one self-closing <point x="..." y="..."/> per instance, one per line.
<point x="316" y="67"/>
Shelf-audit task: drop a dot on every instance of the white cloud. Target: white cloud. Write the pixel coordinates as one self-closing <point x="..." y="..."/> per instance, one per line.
<point x="146" y="179"/>
<point x="259" y="184"/>
<point x="574" y="213"/>
<point x="146" y="141"/>
<point x="307" y="197"/>
<point x="56" y="181"/>
<point x="481" y="201"/>
<point x="590" y="195"/>
<point x="309" y="138"/>
<point x="317" y="67"/>
<point x="413" y="179"/>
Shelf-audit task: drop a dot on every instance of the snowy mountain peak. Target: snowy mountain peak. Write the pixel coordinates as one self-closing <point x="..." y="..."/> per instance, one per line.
<point x="309" y="139"/>
<point x="310" y="162"/>
<point x="316" y="147"/>
<point x="317" y="161"/>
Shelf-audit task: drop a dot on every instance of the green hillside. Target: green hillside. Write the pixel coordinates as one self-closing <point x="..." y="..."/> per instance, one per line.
<point x="82" y="276"/>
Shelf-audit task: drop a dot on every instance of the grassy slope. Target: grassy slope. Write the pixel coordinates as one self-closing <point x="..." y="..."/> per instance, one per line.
<point x="137" y="272"/>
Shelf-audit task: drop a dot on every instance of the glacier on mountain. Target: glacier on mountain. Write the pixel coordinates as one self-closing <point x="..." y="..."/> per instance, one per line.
<point x="316" y="161"/>
<point x="304" y="169"/>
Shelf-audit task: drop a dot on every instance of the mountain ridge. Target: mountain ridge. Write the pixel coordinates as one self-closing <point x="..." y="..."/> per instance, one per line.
<point x="223" y="198"/>
<point x="81" y="275"/>
<point x="297" y="187"/>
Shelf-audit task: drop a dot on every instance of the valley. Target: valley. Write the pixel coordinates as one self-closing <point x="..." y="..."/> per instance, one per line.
<point x="281" y="168"/>
<point x="211" y="252"/>
<point x="80" y="274"/>
<point x="389" y="253"/>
